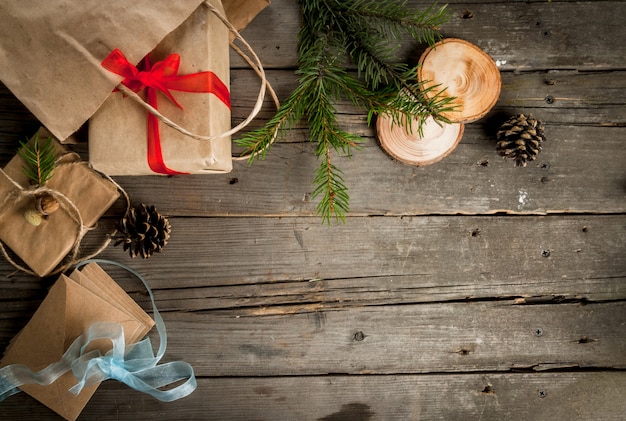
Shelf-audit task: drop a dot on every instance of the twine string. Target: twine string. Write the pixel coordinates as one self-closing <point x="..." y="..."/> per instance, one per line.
<point x="65" y="203"/>
<point x="252" y="59"/>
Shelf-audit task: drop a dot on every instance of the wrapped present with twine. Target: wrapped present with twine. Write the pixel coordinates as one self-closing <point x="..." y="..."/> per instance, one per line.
<point x="72" y="37"/>
<point x="170" y="58"/>
<point x="186" y="79"/>
<point x="81" y="195"/>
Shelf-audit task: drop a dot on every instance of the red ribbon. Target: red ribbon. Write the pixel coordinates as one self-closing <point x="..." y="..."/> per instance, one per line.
<point x="163" y="77"/>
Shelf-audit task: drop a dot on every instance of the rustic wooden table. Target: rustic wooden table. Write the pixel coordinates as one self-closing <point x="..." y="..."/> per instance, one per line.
<point x="465" y="290"/>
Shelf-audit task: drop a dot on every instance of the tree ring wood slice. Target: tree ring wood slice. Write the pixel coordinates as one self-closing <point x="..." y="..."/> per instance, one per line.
<point x="464" y="71"/>
<point x="407" y="146"/>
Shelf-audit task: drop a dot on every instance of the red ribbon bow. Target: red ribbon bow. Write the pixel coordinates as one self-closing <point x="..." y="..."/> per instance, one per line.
<point x="162" y="76"/>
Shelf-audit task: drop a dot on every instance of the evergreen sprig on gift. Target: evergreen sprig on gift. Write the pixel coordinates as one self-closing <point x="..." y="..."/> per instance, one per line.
<point x="40" y="160"/>
<point x="367" y="33"/>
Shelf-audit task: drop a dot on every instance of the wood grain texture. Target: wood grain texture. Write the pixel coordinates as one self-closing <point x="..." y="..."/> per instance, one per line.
<point x="226" y="263"/>
<point x="453" y="397"/>
<point x="586" y="35"/>
<point x="590" y="98"/>
<point x="466" y="290"/>
<point x="473" y="179"/>
<point x="424" y="338"/>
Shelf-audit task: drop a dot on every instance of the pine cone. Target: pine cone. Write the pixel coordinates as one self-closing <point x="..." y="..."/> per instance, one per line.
<point x="143" y="231"/>
<point x="520" y="138"/>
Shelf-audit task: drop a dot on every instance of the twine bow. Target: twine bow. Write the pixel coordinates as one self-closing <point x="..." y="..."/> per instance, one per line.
<point x="163" y="77"/>
<point x="18" y="193"/>
<point x="255" y="63"/>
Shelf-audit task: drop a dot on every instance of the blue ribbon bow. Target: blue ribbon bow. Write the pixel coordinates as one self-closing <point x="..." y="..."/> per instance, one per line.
<point x="134" y="365"/>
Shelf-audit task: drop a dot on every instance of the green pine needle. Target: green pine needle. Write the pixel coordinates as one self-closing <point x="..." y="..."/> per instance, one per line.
<point x="40" y="160"/>
<point x="366" y="33"/>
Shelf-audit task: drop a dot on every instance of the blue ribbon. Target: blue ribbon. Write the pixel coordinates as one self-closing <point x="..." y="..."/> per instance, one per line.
<point x="134" y="365"/>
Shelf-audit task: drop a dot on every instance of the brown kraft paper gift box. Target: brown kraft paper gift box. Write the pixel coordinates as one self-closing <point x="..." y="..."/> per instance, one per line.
<point x="52" y="51"/>
<point x="43" y="247"/>
<point x="118" y="130"/>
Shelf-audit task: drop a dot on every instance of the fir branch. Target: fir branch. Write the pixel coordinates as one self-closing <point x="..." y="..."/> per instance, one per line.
<point x="257" y="142"/>
<point x="367" y="33"/>
<point x="294" y="108"/>
<point x="323" y="125"/>
<point x="40" y="160"/>
<point x="334" y="200"/>
<point x="393" y="19"/>
<point x="398" y="105"/>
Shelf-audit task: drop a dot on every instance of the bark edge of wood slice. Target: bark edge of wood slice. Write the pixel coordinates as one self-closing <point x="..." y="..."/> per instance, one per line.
<point x="438" y="141"/>
<point x="466" y="72"/>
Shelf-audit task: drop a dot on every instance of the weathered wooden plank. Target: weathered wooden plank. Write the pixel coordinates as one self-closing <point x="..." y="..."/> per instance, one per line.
<point x="590" y="98"/>
<point x="562" y="100"/>
<point x="563" y="89"/>
<point x="467" y="397"/>
<point x="545" y="35"/>
<point x="401" y="339"/>
<point x="16" y="123"/>
<point x="314" y="339"/>
<point x="539" y="35"/>
<point x="411" y="259"/>
<point x="473" y="179"/>
<point x="423" y="338"/>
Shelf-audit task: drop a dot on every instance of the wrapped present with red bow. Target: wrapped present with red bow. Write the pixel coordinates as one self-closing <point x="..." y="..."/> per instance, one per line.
<point x="152" y="76"/>
<point x="186" y="78"/>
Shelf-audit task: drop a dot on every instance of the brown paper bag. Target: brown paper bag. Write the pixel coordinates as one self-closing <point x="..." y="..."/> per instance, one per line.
<point x="71" y="306"/>
<point x="43" y="247"/>
<point x="118" y="130"/>
<point x="51" y="50"/>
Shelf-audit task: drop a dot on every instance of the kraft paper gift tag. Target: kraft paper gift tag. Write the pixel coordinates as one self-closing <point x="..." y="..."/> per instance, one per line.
<point x="71" y="306"/>
<point x="118" y="131"/>
<point x="51" y="50"/>
<point x="43" y="247"/>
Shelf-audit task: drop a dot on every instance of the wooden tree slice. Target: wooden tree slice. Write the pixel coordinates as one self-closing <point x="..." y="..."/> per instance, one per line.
<point x="407" y="146"/>
<point x="464" y="71"/>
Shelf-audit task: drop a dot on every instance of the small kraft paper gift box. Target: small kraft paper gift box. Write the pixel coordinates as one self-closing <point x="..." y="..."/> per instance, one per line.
<point x="83" y="196"/>
<point x="72" y="305"/>
<point x="192" y="63"/>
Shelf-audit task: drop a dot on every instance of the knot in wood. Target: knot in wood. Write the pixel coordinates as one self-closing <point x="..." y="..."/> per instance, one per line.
<point x="358" y="336"/>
